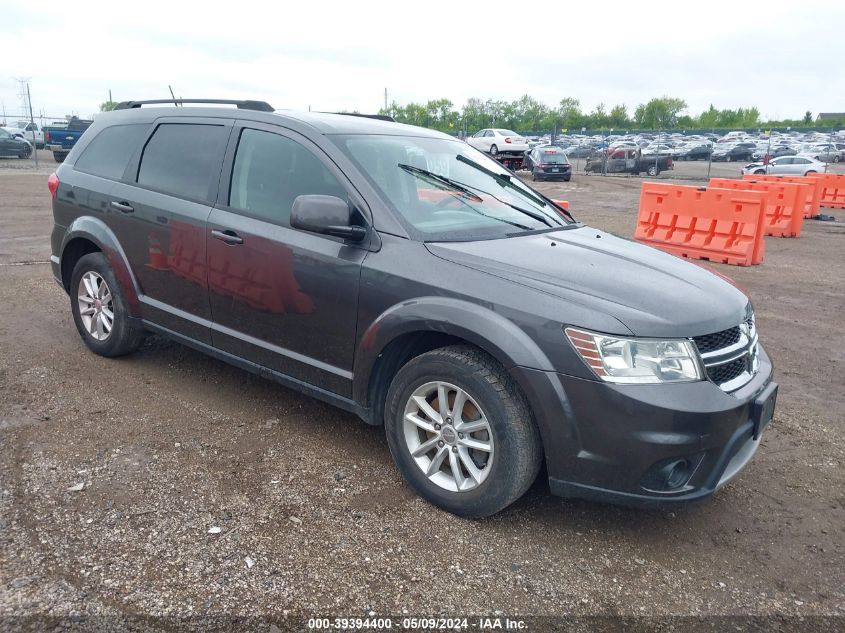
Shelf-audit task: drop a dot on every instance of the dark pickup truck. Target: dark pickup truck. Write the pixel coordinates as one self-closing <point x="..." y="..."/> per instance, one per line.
<point x="628" y="161"/>
<point x="61" y="140"/>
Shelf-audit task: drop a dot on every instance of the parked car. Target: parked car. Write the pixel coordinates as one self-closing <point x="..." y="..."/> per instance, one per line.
<point x="694" y="152"/>
<point x="628" y="161"/>
<point x="787" y="165"/>
<point x="725" y="152"/>
<point x="61" y="140"/>
<point x="774" y="152"/>
<point x="14" y="145"/>
<point x="548" y="163"/>
<point x="28" y="130"/>
<point x="495" y="141"/>
<point x="825" y="153"/>
<point x="580" y="151"/>
<point x="403" y="276"/>
<point x="660" y="149"/>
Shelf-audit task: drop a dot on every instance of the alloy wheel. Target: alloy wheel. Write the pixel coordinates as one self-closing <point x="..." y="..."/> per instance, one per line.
<point x="96" y="308"/>
<point x="448" y="436"/>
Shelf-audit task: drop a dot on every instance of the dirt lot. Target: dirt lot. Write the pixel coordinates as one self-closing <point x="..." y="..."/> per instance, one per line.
<point x="170" y="443"/>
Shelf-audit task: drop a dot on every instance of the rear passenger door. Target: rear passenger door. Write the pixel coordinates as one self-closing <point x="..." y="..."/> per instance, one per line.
<point x="159" y="213"/>
<point x="280" y="297"/>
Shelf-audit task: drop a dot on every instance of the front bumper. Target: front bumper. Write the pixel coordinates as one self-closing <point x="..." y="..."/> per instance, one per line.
<point x="614" y="443"/>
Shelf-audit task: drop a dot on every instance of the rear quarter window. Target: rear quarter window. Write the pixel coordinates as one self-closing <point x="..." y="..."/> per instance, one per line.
<point x="182" y="158"/>
<point x="109" y="153"/>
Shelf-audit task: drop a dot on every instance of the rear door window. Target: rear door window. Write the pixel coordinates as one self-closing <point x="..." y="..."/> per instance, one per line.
<point x="183" y="159"/>
<point x="109" y="153"/>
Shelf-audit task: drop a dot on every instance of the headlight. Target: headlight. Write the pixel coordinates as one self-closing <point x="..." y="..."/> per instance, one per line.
<point x="637" y="360"/>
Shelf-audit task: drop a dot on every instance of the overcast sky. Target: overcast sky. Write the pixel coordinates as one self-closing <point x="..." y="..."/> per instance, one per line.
<point x="783" y="57"/>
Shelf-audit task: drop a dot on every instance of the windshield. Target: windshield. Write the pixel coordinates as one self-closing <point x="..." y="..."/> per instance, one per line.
<point x="507" y="133"/>
<point x="446" y="190"/>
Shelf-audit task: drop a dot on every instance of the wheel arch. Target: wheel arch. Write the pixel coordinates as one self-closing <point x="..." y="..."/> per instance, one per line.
<point x="88" y="235"/>
<point x="413" y="328"/>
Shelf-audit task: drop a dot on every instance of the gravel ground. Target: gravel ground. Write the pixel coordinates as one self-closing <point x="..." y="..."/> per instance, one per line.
<point x="168" y="485"/>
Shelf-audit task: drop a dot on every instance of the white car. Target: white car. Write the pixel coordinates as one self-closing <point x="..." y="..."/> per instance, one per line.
<point x="787" y="166"/>
<point x="27" y="130"/>
<point x="495" y="141"/>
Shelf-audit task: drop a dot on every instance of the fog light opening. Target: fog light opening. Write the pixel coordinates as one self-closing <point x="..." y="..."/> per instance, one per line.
<point x="669" y="475"/>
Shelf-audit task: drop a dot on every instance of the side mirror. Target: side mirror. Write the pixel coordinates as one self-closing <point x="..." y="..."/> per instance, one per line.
<point x="326" y="215"/>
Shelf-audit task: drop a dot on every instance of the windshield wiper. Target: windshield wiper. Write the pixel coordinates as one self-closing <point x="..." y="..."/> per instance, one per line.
<point x="502" y="179"/>
<point x="443" y="180"/>
<point x="505" y="181"/>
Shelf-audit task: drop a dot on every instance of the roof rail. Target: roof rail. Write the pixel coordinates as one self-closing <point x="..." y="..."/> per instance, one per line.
<point x="380" y="117"/>
<point x="260" y="106"/>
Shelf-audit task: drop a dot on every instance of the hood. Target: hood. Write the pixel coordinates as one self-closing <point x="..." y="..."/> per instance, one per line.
<point x="651" y="292"/>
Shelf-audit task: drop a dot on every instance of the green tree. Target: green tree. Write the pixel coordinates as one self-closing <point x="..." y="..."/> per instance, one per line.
<point x="618" y="117"/>
<point x="660" y="113"/>
<point x="108" y="106"/>
<point x="808" y="118"/>
<point x="569" y="111"/>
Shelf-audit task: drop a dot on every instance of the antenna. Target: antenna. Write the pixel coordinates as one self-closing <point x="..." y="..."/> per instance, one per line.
<point x="173" y="95"/>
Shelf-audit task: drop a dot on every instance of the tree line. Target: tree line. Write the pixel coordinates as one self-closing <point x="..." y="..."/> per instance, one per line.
<point x="527" y="114"/>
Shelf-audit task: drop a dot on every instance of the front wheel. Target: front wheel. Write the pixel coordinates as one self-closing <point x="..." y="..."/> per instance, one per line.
<point x="99" y="308"/>
<point x="461" y="432"/>
<point x="760" y="172"/>
<point x="653" y="171"/>
<point x="494" y="150"/>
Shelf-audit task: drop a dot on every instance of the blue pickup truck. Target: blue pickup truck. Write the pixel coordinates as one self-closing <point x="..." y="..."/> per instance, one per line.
<point x="60" y="140"/>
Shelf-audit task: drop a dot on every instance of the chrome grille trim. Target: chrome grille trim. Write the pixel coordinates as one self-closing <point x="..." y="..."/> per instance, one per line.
<point x="746" y="347"/>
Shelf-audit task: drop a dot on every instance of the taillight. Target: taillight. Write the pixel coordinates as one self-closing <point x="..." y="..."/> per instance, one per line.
<point x="508" y="140"/>
<point x="47" y="136"/>
<point x="53" y="184"/>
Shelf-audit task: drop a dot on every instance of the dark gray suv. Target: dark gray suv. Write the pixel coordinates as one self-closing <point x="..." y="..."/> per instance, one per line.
<point x="404" y="276"/>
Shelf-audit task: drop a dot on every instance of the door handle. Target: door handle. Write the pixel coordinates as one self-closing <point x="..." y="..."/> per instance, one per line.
<point x="122" y="207"/>
<point x="228" y="236"/>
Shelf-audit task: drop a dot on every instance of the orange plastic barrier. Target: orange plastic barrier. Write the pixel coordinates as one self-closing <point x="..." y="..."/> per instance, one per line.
<point x="832" y="190"/>
<point x="562" y="203"/>
<point x="784" y="203"/>
<point x="811" y="207"/>
<point x="719" y="225"/>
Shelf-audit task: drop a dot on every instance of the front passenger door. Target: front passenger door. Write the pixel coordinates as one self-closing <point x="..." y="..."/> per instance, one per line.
<point x="281" y="297"/>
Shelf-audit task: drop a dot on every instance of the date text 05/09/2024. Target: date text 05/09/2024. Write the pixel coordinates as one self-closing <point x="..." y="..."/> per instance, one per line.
<point x="415" y="623"/>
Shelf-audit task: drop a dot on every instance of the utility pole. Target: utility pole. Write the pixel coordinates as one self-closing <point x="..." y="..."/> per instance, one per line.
<point x="32" y="121"/>
<point x="385" y="100"/>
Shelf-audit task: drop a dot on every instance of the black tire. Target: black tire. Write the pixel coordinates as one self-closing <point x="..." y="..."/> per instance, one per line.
<point x="567" y="179"/>
<point x="59" y="157"/>
<point x="125" y="337"/>
<point x="653" y="171"/>
<point x="517" y="450"/>
<point x="25" y="154"/>
<point x="494" y="150"/>
<point x="760" y="172"/>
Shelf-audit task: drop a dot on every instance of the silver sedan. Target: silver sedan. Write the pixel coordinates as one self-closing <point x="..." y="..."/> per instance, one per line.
<point x="787" y="166"/>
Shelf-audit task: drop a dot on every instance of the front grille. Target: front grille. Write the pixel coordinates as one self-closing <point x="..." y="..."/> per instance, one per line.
<point x="730" y="356"/>
<point x="717" y="341"/>
<point x="729" y="371"/>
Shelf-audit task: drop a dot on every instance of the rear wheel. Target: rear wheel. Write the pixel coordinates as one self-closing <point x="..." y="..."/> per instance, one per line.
<point x="759" y="172"/>
<point x="59" y="157"/>
<point x="494" y="150"/>
<point x="100" y="310"/>
<point x="461" y="432"/>
<point x="653" y="171"/>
